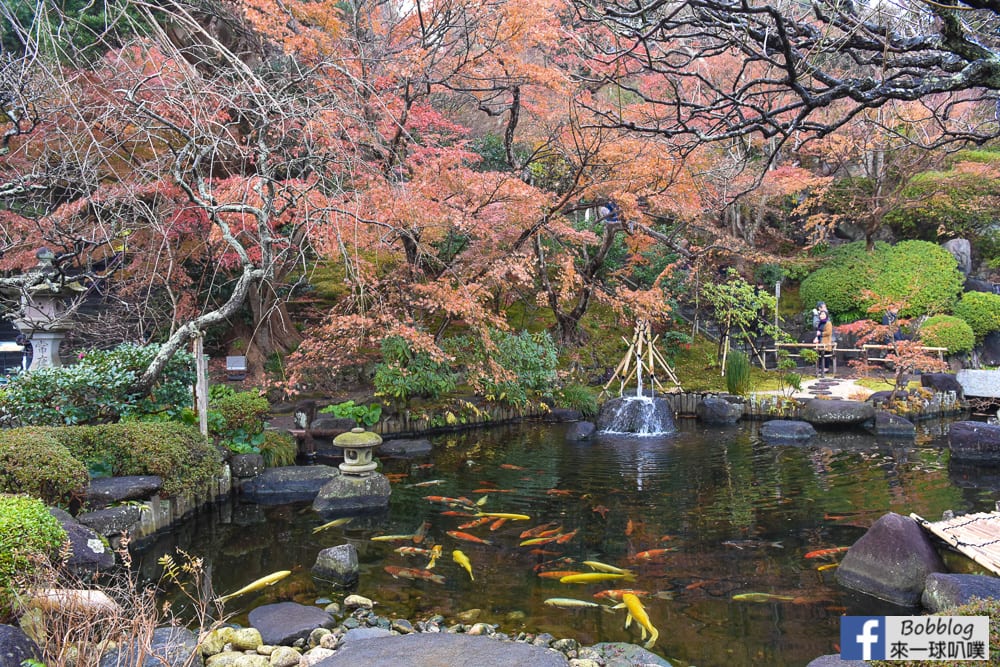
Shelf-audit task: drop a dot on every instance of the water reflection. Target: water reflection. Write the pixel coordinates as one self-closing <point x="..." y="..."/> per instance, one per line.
<point x="699" y="516"/>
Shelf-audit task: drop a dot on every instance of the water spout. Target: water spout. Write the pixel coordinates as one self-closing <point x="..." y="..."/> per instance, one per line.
<point x="636" y="415"/>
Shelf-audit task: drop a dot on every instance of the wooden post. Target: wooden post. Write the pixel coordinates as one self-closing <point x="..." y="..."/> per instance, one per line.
<point x="201" y="384"/>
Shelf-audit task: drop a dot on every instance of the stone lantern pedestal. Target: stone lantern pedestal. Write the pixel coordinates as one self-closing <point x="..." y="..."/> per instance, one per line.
<point x="358" y="488"/>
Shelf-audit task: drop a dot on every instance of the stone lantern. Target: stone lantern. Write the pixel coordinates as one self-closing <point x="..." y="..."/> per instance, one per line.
<point x="43" y="310"/>
<point x="358" y="488"/>
<point x="358" y="445"/>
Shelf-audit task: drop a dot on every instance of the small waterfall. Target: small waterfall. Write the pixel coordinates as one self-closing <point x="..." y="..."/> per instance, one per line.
<point x="636" y="415"/>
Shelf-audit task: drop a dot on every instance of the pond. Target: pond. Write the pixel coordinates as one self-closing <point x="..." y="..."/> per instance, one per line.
<point x="701" y="516"/>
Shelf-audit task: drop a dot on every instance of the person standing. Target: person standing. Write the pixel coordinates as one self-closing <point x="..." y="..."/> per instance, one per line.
<point x="891" y="320"/>
<point x="824" y="338"/>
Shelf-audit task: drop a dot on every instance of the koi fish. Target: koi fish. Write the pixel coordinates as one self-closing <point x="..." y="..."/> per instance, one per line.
<point x="459" y="535"/>
<point x="629" y="528"/>
<point x="653" y="553"/>
<point x="537" y="541"/>
<point x="602" y="510"/>
<point x="451" y="502"/>
<point x="616" y="594"/>
<point x="464" y="561"/>
<point x="336" y="523"/>
<point x="435" y="554"/>
<point x="637" y="613"/>
<point x="558" y="492"/>
<point x="421" y="533"/>
<point x="570" y="603"/>
<point x="752" y="544"/>
<point x="553" y="532"/>
<point x="491" y="490"/>
<point x="506" y="515"/>
<point x="556" y="562"/>
<point x="263" y="582"/>
<point x="475" y="523"/>
<point x="424" y="466"/>
<point x="396" y="476"/>
<point x="828" y="566"/>
<point x="558" y="574"/>
<point x="392" y="538"/>
<point x="430" y="482"/>
<point x="593" y="577"/>
<point x="533" y="532"/>
<point x="414" y="551"/>
<point x="413" y="573"/>
<point x="566" y="537"/>
<point x="456" y="513"/>
<point x="762" y="597"/>
<point x="498" y="524"/>
<point x="543" y="552"/>
<point x="822" y="553"/>
<point x="604" y="567"/>
<point x="666" y="538"/>
<point x="511" y="466"/>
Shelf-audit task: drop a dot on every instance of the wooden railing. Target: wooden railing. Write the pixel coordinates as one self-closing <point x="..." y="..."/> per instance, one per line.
<point x="865" y="351"/>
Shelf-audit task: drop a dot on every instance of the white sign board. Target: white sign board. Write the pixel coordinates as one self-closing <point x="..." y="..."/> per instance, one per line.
<point x="979" y="384"/>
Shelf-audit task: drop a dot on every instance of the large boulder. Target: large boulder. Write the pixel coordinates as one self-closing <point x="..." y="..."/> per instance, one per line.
<point x="282" y="623"/>
<point x="290" y="484"/>
<point x="435" y="649"/>
<point x="328" y="425"/>
<point x="837" y="412"/>
<point x="346" y="494"/>
<point x="891" y="561"/>
<point x="112" y="520"/>
<point x="640" y="415"/>
<point x="557" y="415"/>
<point x="944" y="591"/>
<point x="170" y="647"/>
<point x="715" y="410"/>
<point x="974" y="441"/>
<point x="621" y="654"/>
<point x="245" y="466"/>
<point x="90" y="552"/>
<point x="889" y="425"/>
<point x="404" y="448"/>
<point x="942" y="382"/>
<point x="989" y="351"/>
<point x="786" y="430"/>
<point x="16" y="647"/>
<point x="961" y="250"/>
<point x="106" y="490"/>
<point x="337" y="565"/>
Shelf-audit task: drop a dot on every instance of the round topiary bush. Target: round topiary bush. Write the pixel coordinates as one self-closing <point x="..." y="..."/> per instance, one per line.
<point x="34" y="463"/>
<point x="948" y="331"/>
<point x="29" y="534"/>
<point x="922" y="275"/>
<point x="981" y="310"/>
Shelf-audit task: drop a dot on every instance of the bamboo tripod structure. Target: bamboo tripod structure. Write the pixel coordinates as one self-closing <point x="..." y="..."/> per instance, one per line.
<point x="642" y="357"/>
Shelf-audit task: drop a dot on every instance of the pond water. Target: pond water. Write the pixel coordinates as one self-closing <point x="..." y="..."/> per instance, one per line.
<point x="733" y="515"/>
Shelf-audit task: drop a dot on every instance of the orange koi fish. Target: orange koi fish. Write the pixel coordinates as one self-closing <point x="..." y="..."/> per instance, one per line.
<point x="459" y="535"/>
<point x="413" y="573"/>
<point x="496" y="525"/>
<point x="822" y="553"/>
<point x="566" y="537"/>
<point x="543" y="552"/>
<point x="475" y="523"/>
<point x="559" y="492"/>
<point x="444" y="500"/>
<point x="456" y="513"/>
<point x="533" y="532"/>
<point x="552" y="532"/>
<point x="616" y="594"/>
<point x="511" y="466"/>
<point x="602" y="510"/>
<point x="652" y="553"/>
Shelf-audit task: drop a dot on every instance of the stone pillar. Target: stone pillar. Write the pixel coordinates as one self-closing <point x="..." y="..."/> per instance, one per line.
<point x="45" y="349"/>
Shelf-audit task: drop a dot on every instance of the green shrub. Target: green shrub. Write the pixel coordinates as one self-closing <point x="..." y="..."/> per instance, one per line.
<point x="738" y="378"/>
<point x="981" y="310"/>
<point x="363" y="415"/>
<point x="948" y="331"/>
<point x="580" y="397"/>
<point x="98" y="389"/>
<point x="278" y="449"/>
<point x="179" y="454"/>
<point x="923" y="275"/>
<point x="526" y="363"/>
<point x="34" y="463"/>
<point x="239" y="424"/>
<point x="404" y="373"/>
<point x="28" y="533"/>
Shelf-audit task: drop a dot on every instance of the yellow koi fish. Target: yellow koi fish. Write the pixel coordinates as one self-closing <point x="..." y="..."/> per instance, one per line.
<point x="638" y="613"/>
<point x="257" y="585"/>
<point x="435" y="554"/>
<point x="392" y="538"/>
<point x="592" y="577"/>
<point x="505" y="515"/>
<point x="463" y="560"/>
<point x="604" y="567"/>
<point x="336" y="523"/>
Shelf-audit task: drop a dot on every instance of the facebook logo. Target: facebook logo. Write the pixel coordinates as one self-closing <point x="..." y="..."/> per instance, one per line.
<point x="862" y="637"/>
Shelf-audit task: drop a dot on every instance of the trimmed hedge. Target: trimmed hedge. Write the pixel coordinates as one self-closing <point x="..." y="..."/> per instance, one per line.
<point x="922" y="274"/>
<point x="33" y="462"/>
<point x="948" y="331"/>
<point x="981" y="310"/>
<point x="29" y="534"/>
